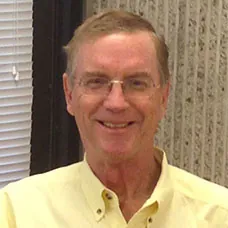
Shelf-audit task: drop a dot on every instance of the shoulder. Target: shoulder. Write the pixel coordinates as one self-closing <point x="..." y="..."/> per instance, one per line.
<point x="46" y="182"/>
<point x="198" y="188"/>
<point x="37" y="201"/>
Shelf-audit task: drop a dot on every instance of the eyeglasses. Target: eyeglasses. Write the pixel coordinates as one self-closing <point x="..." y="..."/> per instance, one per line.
<point x="132" y="87"/>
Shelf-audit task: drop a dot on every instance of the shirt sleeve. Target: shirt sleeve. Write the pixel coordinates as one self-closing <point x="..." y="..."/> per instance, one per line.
<point x="6" y="212"/>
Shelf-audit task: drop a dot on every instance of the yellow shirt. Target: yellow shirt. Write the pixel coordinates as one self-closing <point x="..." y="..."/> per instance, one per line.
<point x="72" y="197"/>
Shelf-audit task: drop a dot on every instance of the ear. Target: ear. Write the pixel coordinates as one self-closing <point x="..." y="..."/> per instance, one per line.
<point x="68" y="93"/>
<point x="164" y="98"/>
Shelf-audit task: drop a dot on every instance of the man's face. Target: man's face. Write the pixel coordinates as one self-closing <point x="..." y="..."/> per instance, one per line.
<point x="115" y="127"/>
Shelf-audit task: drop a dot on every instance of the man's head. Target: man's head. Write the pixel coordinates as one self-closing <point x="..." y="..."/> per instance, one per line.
<point x="111" y="22"/>
<point x="116" y="86"/>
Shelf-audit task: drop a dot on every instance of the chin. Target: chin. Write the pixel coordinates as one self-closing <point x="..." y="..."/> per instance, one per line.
<point x="116" y="155"/>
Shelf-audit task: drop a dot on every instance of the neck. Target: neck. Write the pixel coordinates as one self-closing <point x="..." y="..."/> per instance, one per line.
<point x="131" y="179"/>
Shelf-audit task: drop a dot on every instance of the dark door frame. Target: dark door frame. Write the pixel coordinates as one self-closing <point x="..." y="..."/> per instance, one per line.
<point x="55" y="139"/>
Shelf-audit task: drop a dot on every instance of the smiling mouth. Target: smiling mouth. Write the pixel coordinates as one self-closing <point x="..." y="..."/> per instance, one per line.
<point x="115" y="126"/>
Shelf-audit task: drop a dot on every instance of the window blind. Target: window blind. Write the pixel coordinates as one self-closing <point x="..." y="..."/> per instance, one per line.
<point x="15" y="89"/>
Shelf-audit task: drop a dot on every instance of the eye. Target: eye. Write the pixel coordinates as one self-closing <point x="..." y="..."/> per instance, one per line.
<point x="138" y="83"/>
<point x="95" y="82"/>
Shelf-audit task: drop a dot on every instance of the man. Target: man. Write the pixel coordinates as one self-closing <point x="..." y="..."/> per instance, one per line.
<point x="116" y="86"/>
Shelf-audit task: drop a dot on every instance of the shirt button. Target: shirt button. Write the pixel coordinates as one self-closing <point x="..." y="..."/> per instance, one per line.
<point x="150" y="220"/>
<point x="108" y="196"/>
<point x="99" y="211"/>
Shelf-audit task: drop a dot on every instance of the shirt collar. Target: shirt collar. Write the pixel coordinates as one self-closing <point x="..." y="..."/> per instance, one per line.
<point x="163" y="192"/>
<point x="94" y="190"/>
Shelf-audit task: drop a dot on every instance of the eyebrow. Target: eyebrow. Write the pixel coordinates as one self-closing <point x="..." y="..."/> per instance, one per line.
<point x="101" y="74"/>
<point x="94" y="73"/>
<point x="142" y="74"/>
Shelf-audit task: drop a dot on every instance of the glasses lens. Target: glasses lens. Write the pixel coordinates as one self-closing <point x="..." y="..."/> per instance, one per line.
<point x="94" y="84"/>
<point x="139" y="87"/>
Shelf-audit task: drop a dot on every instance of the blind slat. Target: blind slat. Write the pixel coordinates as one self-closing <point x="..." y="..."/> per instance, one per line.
<point x="21" y="50"/>
<point x="14" y="126"/>
<point x="11" y="42"/>
<point x="25" y="69"/>
<point x="26" y="66"/>
<point x="17" y="57"/>
<point x="14" y="143"/>
<point x="12" y="16"/>
<point x="15" y="109"/>
<point x="20" y="85"/>
<point x="11" y="31"/>
<point x="9" y="169"/>
<point x="11" y="101"/>
<point x="21" y="158"/>
<point x="20" y="24"/>
<point x="15" y="117"/>
<point x="11" y="6"/>
<point x="17" y="134"/>
<point x="6" y="95"/>
<point x="17" y="150"/>
<point x="10" y="2"/>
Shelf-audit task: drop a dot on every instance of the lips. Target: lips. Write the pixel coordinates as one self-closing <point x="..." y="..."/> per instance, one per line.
<point x="115" y="125"/>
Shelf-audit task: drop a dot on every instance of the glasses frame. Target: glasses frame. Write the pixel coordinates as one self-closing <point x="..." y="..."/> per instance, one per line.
<point x="121" y="82"/>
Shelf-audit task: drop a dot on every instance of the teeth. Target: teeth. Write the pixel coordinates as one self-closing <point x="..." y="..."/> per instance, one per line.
<point x="111" y="125"/>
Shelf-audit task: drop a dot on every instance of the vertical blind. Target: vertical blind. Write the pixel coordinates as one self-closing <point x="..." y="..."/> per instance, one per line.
<point x="15" y="89"/>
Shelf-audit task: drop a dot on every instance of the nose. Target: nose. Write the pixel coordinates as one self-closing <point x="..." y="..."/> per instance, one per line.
<point x="115" y="101"/>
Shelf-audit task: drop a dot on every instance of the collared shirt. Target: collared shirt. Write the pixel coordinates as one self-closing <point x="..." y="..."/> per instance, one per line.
<point x="73" y="196"/>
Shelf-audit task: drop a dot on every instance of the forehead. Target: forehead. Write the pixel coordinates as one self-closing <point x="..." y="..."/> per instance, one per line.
<point x="119" y="52"/>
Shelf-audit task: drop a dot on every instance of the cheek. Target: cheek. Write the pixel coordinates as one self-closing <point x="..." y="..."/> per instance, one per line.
<point x="76" y="103"/>
<point x="81" y="114"/>
<point x="84" y="108"/>
<point x="152" y="113"/>
<point x="80" y="107"/>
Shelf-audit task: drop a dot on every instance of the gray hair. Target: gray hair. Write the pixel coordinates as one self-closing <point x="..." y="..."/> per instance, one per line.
<point x="110" y="22"/>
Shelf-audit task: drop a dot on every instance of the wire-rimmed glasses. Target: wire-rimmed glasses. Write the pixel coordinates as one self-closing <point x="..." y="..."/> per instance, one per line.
<point x="132" y="86"/>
